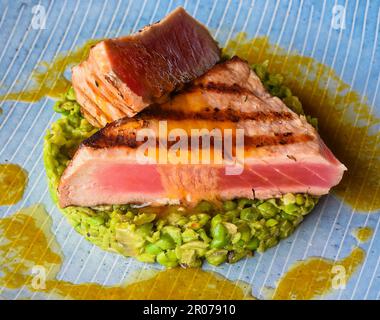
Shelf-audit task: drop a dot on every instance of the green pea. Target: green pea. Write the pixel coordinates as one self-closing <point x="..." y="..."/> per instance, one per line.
<point x="204" y="206"/>
<point x="216" y="257"/>
<point x="293" y="103"/>
<point x="239" y="245"/>
<point x="189" y="235"/>
<point x="275" y="79"/>
<point x="160" y="224"/>
<point x="286" y="92"/>
<point x="268" y="210"/>
<point x="177" y="219"/>
<point x="146" y="257"/>
<point x="297" y="220"/>
<point x="271" y="223"/>
<point x="261" y="71"/>
<point x="145" y="229"/>
<point x="87" y="211"/>
<point x="263" y="234"/>
<point x="154" y="237"/>
<point x="216" y="220"/>
<point x="182" y="221"/>
<point x="70" y="94"/>
<point x="203" y="235"/>
<point x="232" y="214"/>
<point x="258" y="224"/>
<point x="193" y="225"/>
<point x="269" y="243"/>
<point x="245" y="232"/>
<point x="249" y="214"/>
<point x="168" y="259"/>
<point x="286" y="229"/>
<point x="236" y="255"/>
<point x="203" y="219"/>
<point x="220" y="236"/>
<point x="288" y="198"/>
<point x="95" y="221"/>
<point x="312" y="121"/>
<point x="152" y="248"/>
<point x="236" y="238"/>
<point x="174" y="233"/>
<point x="165" y="242"/>
<point x="144" y="218"/>
<point x="253" y="244"/>
<point x="229" y="205"/>
<point x="286" y="216"/>
<point x="243" y="202"/>
<point x="292" y="209"/>
<point x="194" y="245"/>
<point x="262" y="247"/>
<point x="274" y="231"/>
<point x="300" y="200"/>
<point x="189" y="259"/>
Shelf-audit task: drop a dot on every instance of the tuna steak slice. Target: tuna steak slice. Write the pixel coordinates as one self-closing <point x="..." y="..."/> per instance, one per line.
<point x="124" y="75"/>
<point x="282" y="151"/>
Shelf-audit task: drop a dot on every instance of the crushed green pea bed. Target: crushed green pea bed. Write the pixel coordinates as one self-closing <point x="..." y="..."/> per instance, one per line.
<point x="176" y="235"/>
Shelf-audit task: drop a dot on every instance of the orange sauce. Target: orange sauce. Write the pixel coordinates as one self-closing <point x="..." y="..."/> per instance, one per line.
<point x="363" y="234"/>
<point x="25" y="244"/>
<point x="314" y="277"/>
<point x="169" y="284"/>
<point x="13" y="180"/>
<point x="355" y="143"/>
<point x="48" y="77"/>
<point x="28" y="242"/>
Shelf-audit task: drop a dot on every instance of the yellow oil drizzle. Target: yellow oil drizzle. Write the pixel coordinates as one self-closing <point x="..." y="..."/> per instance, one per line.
<point x="13" y="180"/>
<point x="25" y="244"/>
<point x="169" y="284"/>
<point x="28" y="242"/>
<point x="313" y="278"/>
<point x="363" y="234"/>
<point x="355" y="143"/>
<point x="48" y="77"/>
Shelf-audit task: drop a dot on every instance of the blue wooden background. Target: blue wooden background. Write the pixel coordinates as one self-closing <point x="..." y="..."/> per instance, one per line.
<point x="304" y="25"/>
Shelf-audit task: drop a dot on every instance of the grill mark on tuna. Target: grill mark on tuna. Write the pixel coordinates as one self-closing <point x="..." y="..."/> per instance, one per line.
<point x="159" y="113"/>
<point x="223" y="88"/>
<point x="127" y="138"/>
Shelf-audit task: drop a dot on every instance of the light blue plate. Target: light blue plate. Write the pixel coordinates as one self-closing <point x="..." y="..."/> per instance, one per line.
<point x="326" y="232"/>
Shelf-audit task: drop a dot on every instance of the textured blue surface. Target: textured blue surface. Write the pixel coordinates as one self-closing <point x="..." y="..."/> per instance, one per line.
<point x="302" y="25"/>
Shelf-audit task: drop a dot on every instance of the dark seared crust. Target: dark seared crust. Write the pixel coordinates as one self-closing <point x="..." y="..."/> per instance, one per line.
<point x="222" y="88"/>
<point x="214" y="114"/>
<point x="117" y="134"/>
<point x="112" y="135"/>
<point x="276" y="139"/>
<point x="122" y="133"/>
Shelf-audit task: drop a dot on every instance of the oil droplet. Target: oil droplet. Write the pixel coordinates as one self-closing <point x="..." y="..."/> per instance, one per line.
<point x="48" y="77"/>
<point x="363" y="234"/>
<point x="345" y="120"/>
<point x="314" y="277"/>
<point x="27" y="242"/>
<point x="13" y="180"/>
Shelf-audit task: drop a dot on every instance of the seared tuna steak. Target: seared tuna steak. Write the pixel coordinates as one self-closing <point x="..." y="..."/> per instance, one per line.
<point x="124" y="75"/>
<point x="282" y="151"/>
